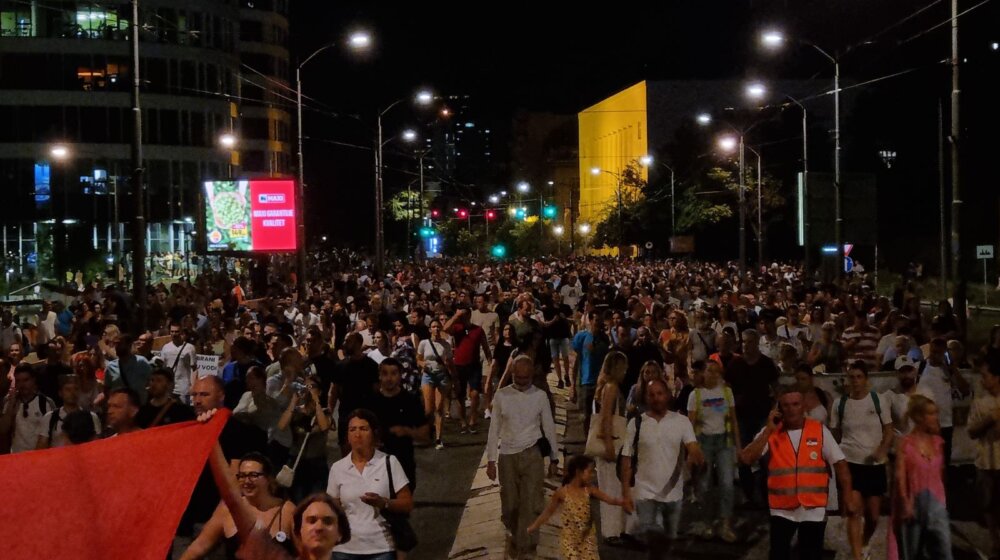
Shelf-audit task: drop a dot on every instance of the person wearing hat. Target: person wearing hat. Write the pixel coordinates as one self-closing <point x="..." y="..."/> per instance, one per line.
<point x="899" y="398"/>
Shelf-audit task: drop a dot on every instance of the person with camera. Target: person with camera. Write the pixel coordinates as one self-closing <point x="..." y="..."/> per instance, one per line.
<point x="308" y="423"/>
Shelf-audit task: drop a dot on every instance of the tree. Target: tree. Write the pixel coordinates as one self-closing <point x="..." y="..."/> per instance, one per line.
<point x="406" y="205"/>
<point x="770" y="197"/>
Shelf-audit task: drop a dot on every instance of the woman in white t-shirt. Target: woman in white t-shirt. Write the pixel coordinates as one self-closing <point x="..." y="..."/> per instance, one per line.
<point x="360" y="482"/>
<point x="713" y="414"/>
<point x="815" y="401"/>
<point x="434" y="360"/>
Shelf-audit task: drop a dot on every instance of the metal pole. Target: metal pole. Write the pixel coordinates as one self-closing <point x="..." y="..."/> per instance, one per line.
<point x="805" y="191"/>
<point x="743" y="214"/>
<point x="409" y="217"/>
<point x="673" y="215"/>
<point x="139" y="223"/>
<point x="379" y="252"/>
<point x="300" y="203"/>
<point x="423" y="217"/>
<point x="760" y="205"/>
<point x="839" y="223"/>
<point x="621" y="240"/>
<point x="956" y="185"/>
<point x="941" y="191"/>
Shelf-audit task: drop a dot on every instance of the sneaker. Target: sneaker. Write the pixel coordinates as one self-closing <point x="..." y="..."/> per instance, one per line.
<point x="473" y="429"/>
<point x="726" y="533"/>
<point x="439" y="445"/>
<point x="486" y="414"/>
<point x="463" y="430"/>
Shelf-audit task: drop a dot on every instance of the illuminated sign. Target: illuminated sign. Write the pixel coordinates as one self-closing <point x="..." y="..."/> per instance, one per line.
<point x="254" y="215"/>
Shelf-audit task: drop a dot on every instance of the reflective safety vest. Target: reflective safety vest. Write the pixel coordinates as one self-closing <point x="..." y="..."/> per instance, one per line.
<point x="797" y="478"/>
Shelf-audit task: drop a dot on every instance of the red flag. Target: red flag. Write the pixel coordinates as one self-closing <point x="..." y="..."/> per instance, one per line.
<point x="117" y="498"/>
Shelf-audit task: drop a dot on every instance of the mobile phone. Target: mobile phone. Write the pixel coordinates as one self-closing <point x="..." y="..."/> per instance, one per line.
<point x="947" y="358"/>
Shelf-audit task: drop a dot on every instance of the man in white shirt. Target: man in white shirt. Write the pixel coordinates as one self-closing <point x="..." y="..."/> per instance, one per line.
<point x="180" y="356"/>
<point x="789" y="419"/>
<point x="486" y="319"/>
<point x="938" y="380"/>
<point x="797" y="334"/>
<point x="571" y="291"/>
<point x="23" y="411"/>
<point x="655" y="441"/>
<point x="46" y="324"/>
<point x="521" y="418"/>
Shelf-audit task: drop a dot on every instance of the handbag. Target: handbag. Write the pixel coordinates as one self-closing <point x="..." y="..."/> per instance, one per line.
<point x="286" y="475"/>
<point x="403" y="535"/>
<point x="595" y="443"/>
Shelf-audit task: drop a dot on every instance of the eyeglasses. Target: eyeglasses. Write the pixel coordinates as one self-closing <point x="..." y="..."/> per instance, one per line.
<point x="253" y="475"/>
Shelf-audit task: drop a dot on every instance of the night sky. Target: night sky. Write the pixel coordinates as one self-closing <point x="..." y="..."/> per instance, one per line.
<point x="560" y="57"/>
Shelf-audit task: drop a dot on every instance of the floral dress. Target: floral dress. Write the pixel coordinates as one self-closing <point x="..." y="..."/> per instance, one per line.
<point x="578" y="538"/>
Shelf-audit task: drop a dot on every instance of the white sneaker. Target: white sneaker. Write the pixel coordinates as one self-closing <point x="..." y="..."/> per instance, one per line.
<point x="439" y="446"/>
<point x="486" y="414"/>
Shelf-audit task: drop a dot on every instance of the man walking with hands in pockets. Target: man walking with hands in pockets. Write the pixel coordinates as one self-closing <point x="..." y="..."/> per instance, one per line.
<point x="520" y="431"/>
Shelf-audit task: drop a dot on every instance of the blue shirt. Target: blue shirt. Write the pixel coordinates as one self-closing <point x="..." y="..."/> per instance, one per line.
<point x="583" y="344"/>
<point x="136" y="370"/>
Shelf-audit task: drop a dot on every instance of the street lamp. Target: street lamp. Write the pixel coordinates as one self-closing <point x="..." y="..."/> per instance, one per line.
<point x="409" y="135"/>
<point x="703" y="119"/>
<point x="558" y="231"/>
<point x="729" y="144"/>
<point x="494" y="199"/>
<point x="358" y="41"/>
<point x="227" y="141"/>
<point x="523" y="187"/>
<point x="59" y="152"/>
<point x="756" y="90"/>
<point x="584" y="228"/>
<point x="423" y="97"/>
<point x="774" y="39"/>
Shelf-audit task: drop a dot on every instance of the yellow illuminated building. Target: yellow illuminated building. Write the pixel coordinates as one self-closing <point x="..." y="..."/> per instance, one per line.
<point x="613" y="134"/>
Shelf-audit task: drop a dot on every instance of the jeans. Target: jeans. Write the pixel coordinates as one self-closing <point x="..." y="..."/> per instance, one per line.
<point x="810" y="538"/>
<point x="377" y="556"/>
<point x="720" y="458"/>
<point x="928" y="535"/>
<point x="658" y="519"/>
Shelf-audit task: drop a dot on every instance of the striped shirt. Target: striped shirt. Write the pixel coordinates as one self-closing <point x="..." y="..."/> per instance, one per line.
<point x="867" y="342"/>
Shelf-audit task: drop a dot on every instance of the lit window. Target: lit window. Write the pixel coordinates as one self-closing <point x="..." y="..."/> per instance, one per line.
<point x="15" y="24"/>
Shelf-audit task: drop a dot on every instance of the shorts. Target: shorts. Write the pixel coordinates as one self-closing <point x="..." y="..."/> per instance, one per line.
<point x="559" y="347"/>
<point x="869" y="480"/>
<point x="437" y="379"/>
<point x="470" y="376"/>
<point x="988" y="482"/>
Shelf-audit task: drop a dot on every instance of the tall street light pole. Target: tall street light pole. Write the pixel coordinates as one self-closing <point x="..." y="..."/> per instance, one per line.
<point x="357" y="41"/>
<point x="774" y="39"/>
<point x="956" y="190"/>
<point x="760" y="205"/>
<point x="138" y="192"/>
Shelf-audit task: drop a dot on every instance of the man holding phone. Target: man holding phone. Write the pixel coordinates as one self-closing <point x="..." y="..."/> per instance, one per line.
<point x="937" y="379"/>
<point x="800" y="453"/>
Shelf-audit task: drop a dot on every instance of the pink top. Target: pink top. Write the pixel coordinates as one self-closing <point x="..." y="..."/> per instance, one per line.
<point x="923" y="473"/>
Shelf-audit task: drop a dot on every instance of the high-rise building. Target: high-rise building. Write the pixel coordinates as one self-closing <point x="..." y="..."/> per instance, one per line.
<point x="65" y="77"/>
<point x="265" y="124"/>
<point x="462" y="149"/>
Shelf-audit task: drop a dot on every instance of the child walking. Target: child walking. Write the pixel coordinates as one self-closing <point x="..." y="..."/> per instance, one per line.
<point x="578" y="539"/>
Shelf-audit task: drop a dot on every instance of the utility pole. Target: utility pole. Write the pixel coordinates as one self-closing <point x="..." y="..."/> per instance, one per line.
<point x="138" y="190"/>
<point x="941" y="194"/>
<point x="743" y="211"/>
<point x="838" y="226"/>
<point x="956" y="190"/>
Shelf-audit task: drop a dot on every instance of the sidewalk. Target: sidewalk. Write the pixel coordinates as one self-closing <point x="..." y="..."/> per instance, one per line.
<point x="481" y="534"/>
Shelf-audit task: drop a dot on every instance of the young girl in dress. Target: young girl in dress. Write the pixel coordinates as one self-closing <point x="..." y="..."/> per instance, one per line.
<point x="578" y="538"/>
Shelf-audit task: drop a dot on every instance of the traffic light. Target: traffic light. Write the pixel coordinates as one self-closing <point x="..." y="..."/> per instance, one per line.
<point x="491" y="215"/>
<point x="521" y="213"/>
<point x="550" y="212"/>
<point x="426" y="232"/>
<point x="463" y="213"/>
<point x="498" y="251"/>
<point x="435" y="213"/>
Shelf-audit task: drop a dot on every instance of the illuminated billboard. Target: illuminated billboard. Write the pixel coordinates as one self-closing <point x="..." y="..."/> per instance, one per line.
<point x="253" y="215"/>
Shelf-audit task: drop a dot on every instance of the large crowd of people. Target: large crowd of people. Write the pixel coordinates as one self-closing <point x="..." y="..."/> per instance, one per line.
<point x="687" y="376"/>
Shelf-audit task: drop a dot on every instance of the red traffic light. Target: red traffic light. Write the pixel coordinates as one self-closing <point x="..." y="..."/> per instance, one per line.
<point x="463" y="213"/>
<point x="490" y="215"/>
<point x="435" y="213"/>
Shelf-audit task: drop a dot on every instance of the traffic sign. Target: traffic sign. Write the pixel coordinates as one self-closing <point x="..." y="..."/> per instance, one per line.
<point x="649" y="244"/>
<point x="848" y="264"/>
<point x="984" y="251"/>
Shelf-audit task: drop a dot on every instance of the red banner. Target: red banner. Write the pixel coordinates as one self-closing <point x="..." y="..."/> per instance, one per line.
<point x="117" y="498"/>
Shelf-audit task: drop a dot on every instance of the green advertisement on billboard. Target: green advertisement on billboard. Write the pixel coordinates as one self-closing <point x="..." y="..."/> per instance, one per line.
<point x="227" y="215"/>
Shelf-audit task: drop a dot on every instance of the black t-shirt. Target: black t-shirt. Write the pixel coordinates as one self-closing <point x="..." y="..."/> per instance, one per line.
<point x="355" y="380"/>
<point x="561" y="328"/>
<point x="323" y="366"/>
<point x="47" y="379"/>
<point x="406" y="410"/>
<point x="178" y="412"/>
<point x="751" y="386"/>
<point x="237" y="439"/>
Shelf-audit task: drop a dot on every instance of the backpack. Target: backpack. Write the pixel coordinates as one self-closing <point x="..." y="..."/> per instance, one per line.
<point x="843" y="406"/>
<point x="635" y="453"/>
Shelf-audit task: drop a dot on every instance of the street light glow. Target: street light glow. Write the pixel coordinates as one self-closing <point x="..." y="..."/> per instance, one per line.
<point x="360" y="40"/>
<point x="494" y="199"/>
<point x="59" y="151"/>
<point x="646" y="160"/>
<point x="584" y="228"/>
<point x="409" y="135"/>
<point x="227" y="140"/>
<point x="595" y="170"/>
<point x="523" y="187"/>
<point x="727" y="143"/>
<point x="550" y="183"/>
<point x="756" y="90"/>
<point x="503" y="193"/>
<point x="424" y="97"/>
<point x="558" y="231"/>
<point x="772" y="38"/>
<point x="704" y="119"/>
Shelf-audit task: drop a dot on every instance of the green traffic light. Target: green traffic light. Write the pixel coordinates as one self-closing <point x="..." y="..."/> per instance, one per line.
<point x="550" y="212"/>
<point x="498" y="251"/>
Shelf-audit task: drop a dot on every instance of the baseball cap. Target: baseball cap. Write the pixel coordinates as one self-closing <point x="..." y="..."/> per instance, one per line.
<point x="904" y="362"/>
